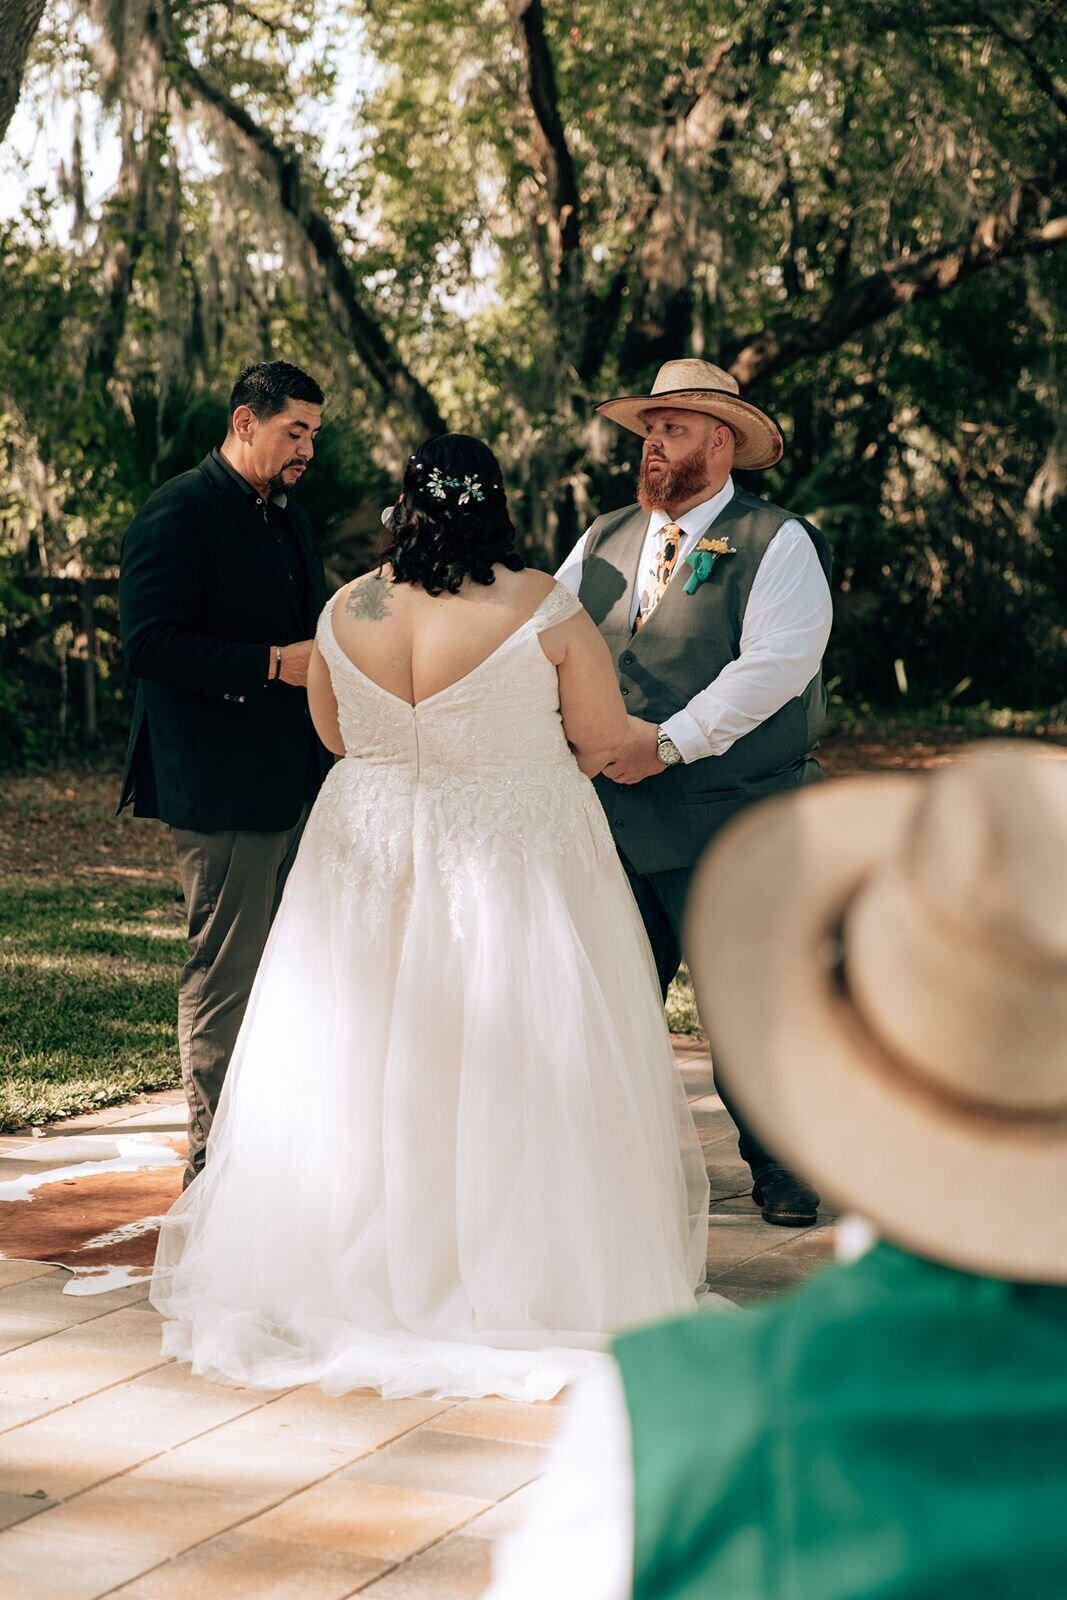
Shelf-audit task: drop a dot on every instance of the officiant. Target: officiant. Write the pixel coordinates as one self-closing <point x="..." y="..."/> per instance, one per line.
<point x="716" y="606"/>
<point x="220" y="585"/>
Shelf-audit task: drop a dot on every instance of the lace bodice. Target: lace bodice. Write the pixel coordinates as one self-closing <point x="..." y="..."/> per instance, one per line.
<point x="478" y="773"/>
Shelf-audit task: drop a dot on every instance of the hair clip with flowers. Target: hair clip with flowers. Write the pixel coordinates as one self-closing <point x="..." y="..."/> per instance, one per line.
<point x="469" y="488"/>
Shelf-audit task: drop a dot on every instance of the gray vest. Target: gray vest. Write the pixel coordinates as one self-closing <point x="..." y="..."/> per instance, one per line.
<point x="665" y="821"/>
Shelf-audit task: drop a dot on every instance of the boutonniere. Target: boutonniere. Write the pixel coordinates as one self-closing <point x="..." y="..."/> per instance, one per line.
<point x="703" y="557"/>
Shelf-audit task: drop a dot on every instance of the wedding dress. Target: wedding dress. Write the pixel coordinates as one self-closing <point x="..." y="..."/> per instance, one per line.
<point x="453" y="1151"/>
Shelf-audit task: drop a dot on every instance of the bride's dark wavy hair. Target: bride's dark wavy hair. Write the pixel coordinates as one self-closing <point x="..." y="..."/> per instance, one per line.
<point x="451" y="521"/>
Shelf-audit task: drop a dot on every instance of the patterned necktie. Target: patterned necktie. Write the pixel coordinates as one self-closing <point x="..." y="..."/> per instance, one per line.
<point x="670" y="536"/>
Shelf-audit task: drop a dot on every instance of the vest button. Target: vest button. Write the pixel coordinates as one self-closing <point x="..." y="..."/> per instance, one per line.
<point x="625" y="689"/>
<point x="627" y="659"/>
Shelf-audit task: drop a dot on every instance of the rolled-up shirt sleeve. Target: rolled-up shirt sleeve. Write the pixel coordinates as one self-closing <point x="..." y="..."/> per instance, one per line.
<point x="783" y="638"/>
<point x="577" y="1540"/>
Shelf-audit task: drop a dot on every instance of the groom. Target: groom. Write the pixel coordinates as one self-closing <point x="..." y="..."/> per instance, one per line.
<point x="716" y="607"/>
<point x="220" y="586"/>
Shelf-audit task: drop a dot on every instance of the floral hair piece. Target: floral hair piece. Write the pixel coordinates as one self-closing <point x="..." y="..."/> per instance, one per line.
<point x="470" y="488"/>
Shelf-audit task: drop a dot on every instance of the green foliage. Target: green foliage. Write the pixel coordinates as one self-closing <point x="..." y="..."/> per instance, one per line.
<point x="735" y="168"/>
<point x="682" y="1014"/>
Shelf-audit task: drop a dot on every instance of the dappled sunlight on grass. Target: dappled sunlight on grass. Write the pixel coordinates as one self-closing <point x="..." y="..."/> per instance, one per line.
<point x="129" y="874"/>
<point x="88" y="994"/>
<point x="131" y="930"/>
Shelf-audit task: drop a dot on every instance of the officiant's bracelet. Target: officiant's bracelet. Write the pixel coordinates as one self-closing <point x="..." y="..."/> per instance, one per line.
<point x="277" y="663"/>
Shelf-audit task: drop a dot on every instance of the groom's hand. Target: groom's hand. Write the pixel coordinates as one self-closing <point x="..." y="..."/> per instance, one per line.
<point x="636" y="756"/>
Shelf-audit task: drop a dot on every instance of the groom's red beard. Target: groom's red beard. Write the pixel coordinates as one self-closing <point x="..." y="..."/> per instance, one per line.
<point x="671" y="485"/>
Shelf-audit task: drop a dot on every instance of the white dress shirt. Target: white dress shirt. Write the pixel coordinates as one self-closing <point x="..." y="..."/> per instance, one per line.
<point x="783" y="634"/>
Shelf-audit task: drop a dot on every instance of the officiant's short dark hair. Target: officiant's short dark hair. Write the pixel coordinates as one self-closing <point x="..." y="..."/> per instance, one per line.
<point x="451" y="521"/>
<point x="265" y="386"/>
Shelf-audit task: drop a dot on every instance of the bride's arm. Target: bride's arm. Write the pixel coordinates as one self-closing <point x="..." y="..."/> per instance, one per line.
<point x="594" y="716"/>
<point x="323" y="704"/>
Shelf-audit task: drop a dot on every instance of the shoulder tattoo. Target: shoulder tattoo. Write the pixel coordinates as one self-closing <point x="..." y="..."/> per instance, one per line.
<point x="368" y="600"/>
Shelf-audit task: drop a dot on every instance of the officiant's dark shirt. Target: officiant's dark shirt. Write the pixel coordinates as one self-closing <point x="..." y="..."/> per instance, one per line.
<point x="276" y="528"/>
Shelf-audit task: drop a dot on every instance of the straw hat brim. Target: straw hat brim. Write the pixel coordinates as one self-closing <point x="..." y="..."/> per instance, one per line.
<point x="952" y="1183"/>
<point x="759" y="438"/>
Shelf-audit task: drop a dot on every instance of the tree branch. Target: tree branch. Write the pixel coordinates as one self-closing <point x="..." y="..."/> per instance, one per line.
<point x="1038" y="71"/>
<point x="393" y="377"/>
<point x="1011" y="230"/>
<point x="554" y="151"/>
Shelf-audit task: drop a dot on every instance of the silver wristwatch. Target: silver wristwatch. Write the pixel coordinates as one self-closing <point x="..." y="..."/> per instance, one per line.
<point x="666" y="749"/>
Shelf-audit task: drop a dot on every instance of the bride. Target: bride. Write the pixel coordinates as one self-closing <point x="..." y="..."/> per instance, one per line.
<point x="453" y="1152"/>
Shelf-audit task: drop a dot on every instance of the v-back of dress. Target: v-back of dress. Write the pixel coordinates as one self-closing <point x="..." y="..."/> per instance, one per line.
<point x="481" y="769"/>
<point x="453" y="1151"/>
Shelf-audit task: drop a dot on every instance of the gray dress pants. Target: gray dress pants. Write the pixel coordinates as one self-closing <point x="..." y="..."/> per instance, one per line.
<point x="233" y="884"/>
<point x="661" y="899"/>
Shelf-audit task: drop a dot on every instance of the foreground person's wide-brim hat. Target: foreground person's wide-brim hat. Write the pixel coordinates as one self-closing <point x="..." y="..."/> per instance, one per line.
<point x="700" y="386"/>
<point x="881" y="964"/>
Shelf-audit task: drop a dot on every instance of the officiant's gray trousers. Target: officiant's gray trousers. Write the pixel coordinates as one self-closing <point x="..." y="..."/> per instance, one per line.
<point x="233" y="882"/>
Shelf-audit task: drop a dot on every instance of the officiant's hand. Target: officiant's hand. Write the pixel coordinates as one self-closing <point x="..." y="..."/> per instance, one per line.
<point x="636" y="757"/>
<point x="295" y="661"/>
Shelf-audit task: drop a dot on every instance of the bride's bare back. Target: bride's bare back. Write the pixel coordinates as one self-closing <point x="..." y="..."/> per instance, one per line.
<point x="414" y="645"/>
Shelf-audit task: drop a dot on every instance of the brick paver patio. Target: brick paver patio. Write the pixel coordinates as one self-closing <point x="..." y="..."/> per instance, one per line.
<point x="122" y="1475"/>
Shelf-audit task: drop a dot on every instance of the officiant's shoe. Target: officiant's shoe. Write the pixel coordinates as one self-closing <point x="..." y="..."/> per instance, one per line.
<point x="784" y="1200"/>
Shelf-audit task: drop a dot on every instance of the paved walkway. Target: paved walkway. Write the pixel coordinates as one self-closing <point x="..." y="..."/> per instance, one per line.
<point x="122" y="1475"/>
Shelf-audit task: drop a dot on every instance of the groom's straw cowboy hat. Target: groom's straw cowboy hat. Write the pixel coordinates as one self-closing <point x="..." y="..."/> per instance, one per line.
<point x="700" y="386"/>
<point x="882" y="967"/>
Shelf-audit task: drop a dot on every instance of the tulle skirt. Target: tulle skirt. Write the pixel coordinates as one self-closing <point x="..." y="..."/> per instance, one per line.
<point x="453" y="1152"/>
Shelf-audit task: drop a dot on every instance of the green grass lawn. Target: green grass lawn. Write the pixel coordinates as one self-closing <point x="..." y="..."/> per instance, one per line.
<point x="88" y="994"/>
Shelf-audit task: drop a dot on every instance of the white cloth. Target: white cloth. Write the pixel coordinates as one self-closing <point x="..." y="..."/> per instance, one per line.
<point x="576" y="1541"/>
<point x="453" y="1151"/>
<point x="783" y="635"/>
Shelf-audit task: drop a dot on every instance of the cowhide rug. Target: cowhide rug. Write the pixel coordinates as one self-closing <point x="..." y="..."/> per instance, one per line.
<point x="98" y="1218"/>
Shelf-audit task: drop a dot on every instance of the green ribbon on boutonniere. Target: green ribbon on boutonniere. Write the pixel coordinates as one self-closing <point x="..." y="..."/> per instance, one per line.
<point x="703" y="557"/>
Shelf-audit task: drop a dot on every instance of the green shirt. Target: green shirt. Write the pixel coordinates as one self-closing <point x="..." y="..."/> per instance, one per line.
<point x="894" y="1430"/>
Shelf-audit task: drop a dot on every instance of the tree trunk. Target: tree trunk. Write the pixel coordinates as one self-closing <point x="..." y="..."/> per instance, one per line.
<point x="20" y="20"/>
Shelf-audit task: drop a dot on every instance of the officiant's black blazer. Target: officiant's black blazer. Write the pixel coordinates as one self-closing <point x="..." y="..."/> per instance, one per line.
<point x="204" y="591"/>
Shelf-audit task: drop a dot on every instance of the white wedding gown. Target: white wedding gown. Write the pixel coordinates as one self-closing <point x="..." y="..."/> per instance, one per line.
<point x="453" y="1151"/>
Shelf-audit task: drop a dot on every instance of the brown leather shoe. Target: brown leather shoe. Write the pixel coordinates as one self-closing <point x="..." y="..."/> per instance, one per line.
<point x="785" y="1200"/>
